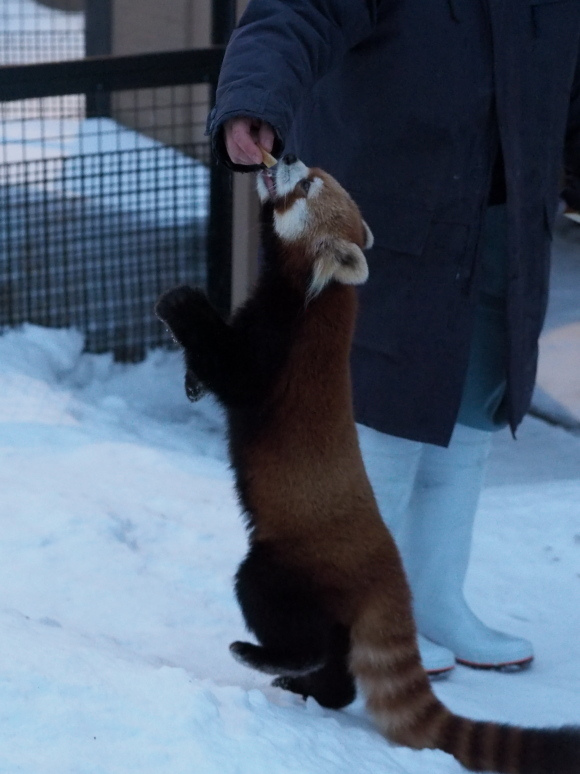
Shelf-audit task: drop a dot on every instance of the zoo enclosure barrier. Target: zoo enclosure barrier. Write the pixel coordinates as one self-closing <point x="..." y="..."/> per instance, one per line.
<point x="109" y="195"/>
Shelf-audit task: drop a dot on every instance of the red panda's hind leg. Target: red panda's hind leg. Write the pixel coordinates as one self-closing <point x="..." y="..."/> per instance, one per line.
<point x="283" y="611"/>
<point x="275" y="662"/>
<point x="332" y="686"/>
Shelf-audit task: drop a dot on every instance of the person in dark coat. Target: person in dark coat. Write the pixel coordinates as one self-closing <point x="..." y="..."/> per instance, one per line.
<point x="449" y="122"/>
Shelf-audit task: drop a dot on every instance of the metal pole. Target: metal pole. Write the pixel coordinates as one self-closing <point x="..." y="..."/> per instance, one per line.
<point x="98" y="42"/>
<point x="219" y="238"/>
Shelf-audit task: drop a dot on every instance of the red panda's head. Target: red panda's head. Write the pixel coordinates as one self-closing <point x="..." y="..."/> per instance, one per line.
<point x="317" y="220"/>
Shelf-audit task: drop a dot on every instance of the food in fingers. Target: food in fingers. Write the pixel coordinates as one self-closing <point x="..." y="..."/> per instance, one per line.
<point x="267" y="157"/>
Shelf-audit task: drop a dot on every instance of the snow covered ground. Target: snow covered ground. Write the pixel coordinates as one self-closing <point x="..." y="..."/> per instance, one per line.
<point x="120" y="536"/>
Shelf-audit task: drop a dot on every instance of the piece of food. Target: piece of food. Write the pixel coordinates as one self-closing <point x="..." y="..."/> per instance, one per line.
<point x="267" y="158"/>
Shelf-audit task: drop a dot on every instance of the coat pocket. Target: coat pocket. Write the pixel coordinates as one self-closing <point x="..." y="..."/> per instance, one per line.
<point x="401" y="225"/>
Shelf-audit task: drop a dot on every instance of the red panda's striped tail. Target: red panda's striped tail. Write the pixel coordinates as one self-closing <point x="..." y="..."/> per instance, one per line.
<point x="400" y="698"/>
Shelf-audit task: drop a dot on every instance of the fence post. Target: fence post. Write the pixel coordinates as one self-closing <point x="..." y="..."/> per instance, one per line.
<point x="219" y="239"/>
<point x="98" y="42"/>
<point x="246" y="237"/>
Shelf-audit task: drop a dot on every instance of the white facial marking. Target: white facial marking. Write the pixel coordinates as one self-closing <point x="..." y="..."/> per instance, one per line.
<point x="315" y="187"/>
<point x="288" y="176"/>
<point x="291" y="225"/>
<point x="262" y="190"/>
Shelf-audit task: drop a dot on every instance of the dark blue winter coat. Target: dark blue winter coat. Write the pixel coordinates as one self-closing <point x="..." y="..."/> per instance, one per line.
<point x="406" y="102"/>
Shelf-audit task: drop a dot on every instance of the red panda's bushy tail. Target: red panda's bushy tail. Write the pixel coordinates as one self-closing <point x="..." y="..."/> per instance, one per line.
<point x="385" y="660"/>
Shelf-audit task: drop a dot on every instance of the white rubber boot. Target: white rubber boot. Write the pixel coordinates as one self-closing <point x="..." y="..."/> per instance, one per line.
<point x="435" y="542"/>
<point x="391" y="465"/>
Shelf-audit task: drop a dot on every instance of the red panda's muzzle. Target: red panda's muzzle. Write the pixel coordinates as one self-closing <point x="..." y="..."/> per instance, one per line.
<point x="269" y="181"/>
<point x="279" y="181"/>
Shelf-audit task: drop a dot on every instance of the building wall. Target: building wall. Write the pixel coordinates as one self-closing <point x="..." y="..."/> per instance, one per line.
<point x="143" y="26"/>
<point x="140" y="26"/>
<point x="245" y="230"/>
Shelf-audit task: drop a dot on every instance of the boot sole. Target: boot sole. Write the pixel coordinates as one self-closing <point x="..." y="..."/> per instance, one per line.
<point x="439" y="674"/>
<point x="509" y="666"/>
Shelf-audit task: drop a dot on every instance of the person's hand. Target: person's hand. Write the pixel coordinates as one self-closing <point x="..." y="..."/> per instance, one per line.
<point x="242" y="136"/>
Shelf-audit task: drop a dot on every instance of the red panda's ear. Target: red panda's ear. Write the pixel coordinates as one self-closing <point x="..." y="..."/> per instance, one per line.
<point x="370" y="240"/>
<point x="338" y="260"/>
<point x="352" y="268"/>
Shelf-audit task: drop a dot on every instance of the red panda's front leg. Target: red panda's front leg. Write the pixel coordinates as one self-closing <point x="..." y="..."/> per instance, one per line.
<point x="212" y="355"/>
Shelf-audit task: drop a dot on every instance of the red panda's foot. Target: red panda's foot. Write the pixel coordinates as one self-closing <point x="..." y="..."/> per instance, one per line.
<point x="272" y="662"/>
<point x="194" y="388"/>
<point x="294" y="684"/>
<point x="173" y="307"/>
<point x="332" y="692"/>
<point x="184" y="309"/>
<point x="332" y="685"/>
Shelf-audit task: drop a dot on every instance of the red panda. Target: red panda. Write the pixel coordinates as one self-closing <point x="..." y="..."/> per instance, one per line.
<point x="322" y="586"/>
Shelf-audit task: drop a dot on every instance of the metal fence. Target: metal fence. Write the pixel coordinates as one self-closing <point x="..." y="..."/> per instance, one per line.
<point x="44" y="31"/>
<point x="108" y="195"/>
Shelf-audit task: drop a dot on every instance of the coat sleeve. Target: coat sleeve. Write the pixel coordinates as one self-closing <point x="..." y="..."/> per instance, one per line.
<point x="571" y="192"/>
<point x="279" y="50"/>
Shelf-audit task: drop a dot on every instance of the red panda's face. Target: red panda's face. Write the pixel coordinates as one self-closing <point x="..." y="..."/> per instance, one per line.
<point x="313" y="213"/>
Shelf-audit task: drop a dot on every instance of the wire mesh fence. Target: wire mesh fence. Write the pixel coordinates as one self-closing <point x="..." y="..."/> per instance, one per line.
<point x="31" y="31"/>
<point x="105" y="179"/>
<point x="100" y="214"/>
<point x="47" y="31"/>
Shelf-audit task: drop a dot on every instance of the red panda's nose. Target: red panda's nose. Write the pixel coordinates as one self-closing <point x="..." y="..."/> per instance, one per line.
<point x="289" y="159"/>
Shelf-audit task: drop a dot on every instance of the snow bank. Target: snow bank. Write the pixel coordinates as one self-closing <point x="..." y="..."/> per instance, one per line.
<point x="120" y="536"/>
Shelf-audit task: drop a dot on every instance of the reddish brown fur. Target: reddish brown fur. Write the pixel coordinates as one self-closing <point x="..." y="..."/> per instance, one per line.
<point x="336" y="217"/>
<point x="310" y="494"/>
<point x="308" y="499"/>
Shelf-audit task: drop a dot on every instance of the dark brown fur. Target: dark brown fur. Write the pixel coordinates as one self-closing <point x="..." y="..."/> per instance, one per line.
<point x="322" y="587"/>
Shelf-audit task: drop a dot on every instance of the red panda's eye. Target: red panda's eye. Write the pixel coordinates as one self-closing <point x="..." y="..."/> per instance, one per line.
<point x="305" y="185"/>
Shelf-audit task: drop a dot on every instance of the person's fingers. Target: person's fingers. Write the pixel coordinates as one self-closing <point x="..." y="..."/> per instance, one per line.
<point x="236" y="154"/>
<point x="240" y="134"/>
<point x="266" y="136"/>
